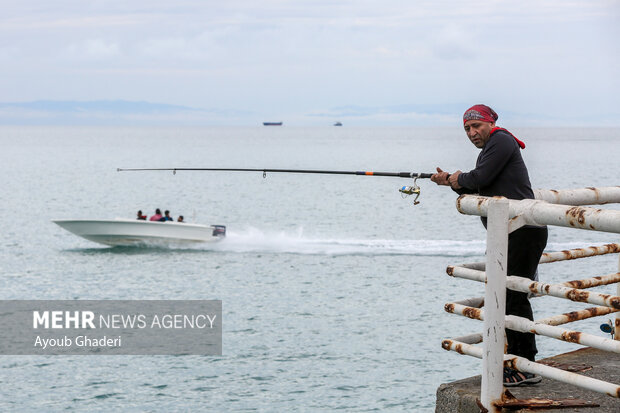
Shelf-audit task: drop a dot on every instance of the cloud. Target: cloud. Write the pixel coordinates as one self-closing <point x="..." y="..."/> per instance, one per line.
<point x="100" y="49"/>
<point x="277" y="55"/>
<point x="93" y="49"/>
<point x="454" y="43"/>
<point x="53" y="22"/>
<point x="188" y="48"/>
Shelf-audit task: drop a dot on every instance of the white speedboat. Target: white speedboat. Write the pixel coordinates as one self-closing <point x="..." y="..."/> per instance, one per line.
<point x="127" y="232"/>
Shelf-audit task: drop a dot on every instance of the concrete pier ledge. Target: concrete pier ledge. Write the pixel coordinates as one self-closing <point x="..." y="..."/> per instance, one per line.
<point x="460" y="396"/>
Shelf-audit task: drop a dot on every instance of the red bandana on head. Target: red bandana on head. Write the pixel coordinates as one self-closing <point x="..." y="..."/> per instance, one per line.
<point x="486" y="114"/>
<point x="480" y="112"/>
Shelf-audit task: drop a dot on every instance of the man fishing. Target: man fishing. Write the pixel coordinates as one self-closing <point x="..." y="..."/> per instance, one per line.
<point x="500" y="171"/>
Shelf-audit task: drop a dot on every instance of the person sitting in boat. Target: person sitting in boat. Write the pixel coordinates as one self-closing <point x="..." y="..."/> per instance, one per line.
<point x="157" y="216"/>
<point x="167" y="216"/>
<point x="180" y="218"/>
<point x="140" y="216"/>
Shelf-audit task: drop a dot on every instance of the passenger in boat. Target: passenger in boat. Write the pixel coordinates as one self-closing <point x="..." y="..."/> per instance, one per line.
<point x="501" y="171"/>
<point x="140" y="216"/>
<point x="180" y="218"/>
<point x="167" y="216"/>
<point x="157" y="216"/>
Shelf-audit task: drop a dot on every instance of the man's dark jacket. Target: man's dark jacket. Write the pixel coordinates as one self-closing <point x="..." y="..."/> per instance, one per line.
<point x="500" y="170"/>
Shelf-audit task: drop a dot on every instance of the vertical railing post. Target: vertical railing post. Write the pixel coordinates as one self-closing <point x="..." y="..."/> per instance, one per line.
<point x="617" y="322"/>
<point x="495" y="303"/>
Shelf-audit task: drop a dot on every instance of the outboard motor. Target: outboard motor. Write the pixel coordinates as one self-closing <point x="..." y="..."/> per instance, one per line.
<point x="219" y="230"/>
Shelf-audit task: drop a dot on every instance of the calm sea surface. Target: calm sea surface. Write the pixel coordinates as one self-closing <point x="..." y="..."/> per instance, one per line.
<point x="332" y="286"/>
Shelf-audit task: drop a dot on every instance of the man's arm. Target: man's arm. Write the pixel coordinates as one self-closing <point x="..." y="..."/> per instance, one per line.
<point x="495" y="155"/>
<point x="454" y="184"/>
<point x="445" y="178"/>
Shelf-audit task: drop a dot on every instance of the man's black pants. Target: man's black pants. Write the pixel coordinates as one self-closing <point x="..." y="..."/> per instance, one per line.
<point x="525" y="246"/>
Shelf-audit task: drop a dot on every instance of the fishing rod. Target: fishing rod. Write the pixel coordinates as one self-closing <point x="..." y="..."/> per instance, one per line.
<point x="405" y="190"/>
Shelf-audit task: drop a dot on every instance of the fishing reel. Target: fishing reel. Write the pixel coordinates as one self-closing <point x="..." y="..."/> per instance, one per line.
<point x="411" y="190"/>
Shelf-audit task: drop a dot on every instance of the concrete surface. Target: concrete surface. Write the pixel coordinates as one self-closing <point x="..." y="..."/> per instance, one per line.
<point x="460" y="396"/>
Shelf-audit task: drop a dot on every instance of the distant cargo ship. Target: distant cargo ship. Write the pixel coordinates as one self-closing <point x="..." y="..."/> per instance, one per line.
<point x="272" y="123"/>
<point x="338" y="124"/>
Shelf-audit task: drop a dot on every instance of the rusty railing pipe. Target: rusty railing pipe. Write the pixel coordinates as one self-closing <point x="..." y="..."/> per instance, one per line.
<point x="594" y="281"/>
<point x="525" y="285"/>
<point x="526" y="326"/>
<point x="576" y="253"/>
<point x="541" y="213"/>
<point x="584" y="314"/>
<point x="555" y="256"/>
<point x="581" y="196"/>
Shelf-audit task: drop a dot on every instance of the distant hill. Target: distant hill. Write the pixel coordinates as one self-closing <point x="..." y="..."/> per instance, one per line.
<point x="448" y="114"/>
<point x="354" y="110"/>
<point x="110" y="106"/>
<point x="140" y="113"/>
<point x="110" y="112"/>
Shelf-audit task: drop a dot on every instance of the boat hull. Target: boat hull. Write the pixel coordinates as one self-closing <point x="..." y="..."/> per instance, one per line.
<point x="120" y="232"/>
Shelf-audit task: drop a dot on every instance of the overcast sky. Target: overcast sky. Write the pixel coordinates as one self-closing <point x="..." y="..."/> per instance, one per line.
<point x="298" y="59"/>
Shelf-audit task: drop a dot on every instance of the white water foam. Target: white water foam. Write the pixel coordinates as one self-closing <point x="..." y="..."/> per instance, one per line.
<point x="255" y="240"/>
<point x="295" y="242"/>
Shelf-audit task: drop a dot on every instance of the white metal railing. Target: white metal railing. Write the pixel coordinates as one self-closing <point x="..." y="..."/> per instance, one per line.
<point x="555" y="208"/>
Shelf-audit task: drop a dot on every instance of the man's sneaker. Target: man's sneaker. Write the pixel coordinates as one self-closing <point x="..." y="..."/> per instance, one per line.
<point x="513" y="378"/>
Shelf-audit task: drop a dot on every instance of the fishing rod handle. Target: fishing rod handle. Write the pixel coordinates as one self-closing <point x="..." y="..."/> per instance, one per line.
<point x="422" y="175"/>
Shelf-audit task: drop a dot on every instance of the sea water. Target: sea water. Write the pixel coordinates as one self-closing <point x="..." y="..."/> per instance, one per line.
<point x="333" y="287"/>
